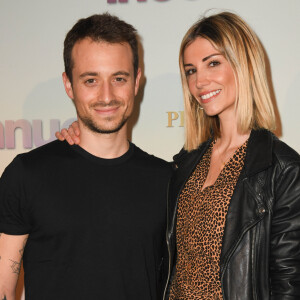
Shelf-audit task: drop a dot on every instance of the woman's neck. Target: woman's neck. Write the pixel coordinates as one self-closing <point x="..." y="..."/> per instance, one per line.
<point x="230" y="135"/>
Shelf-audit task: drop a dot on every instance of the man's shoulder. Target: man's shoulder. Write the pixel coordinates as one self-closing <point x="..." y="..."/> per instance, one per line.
<point x="54" y="148"/>
<point x="149" y="160"/>
<point x="37" y="163"/>
<point x="48" y="155"/>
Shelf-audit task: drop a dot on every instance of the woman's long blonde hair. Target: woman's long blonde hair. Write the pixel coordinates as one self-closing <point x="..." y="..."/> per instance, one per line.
<point x="234" y="39"/>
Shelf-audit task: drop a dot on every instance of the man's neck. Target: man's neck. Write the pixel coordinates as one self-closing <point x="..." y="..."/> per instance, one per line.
<point x="104" y="145"/>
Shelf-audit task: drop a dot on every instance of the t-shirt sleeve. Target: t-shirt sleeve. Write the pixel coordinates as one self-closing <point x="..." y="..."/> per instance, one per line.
<point x="13" y="204"/>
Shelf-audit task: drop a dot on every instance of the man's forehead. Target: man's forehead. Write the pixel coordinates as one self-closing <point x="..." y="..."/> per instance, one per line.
<point x="87" y="47"/>
<point x="90" y="56"/>
<point x="89" y="42"/>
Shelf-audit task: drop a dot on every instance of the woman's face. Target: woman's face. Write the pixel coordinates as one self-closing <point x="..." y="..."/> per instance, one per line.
<point x="210" y="78"/>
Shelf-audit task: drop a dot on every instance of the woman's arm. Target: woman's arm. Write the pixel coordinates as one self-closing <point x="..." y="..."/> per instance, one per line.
<point x="71" y="135"/>
<point x="285" y="235"/>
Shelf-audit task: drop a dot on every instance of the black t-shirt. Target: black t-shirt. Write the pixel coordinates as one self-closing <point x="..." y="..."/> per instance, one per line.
<point x="96" y="226"/>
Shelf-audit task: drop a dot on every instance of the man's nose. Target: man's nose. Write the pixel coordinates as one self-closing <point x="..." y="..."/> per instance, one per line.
<point x="106" y="92"/>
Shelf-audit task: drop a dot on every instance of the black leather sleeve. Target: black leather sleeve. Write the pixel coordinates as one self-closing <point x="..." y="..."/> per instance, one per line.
<point x="285" y="234"/>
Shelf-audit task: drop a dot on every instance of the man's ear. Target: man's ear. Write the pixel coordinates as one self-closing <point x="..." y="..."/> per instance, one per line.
<point x="137" y="81"/>
<point x="68" y="85"/>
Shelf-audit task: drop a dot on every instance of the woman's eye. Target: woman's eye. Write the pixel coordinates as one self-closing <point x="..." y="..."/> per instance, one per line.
<point x="214" y="63"/>
<point x="190" y="72"/>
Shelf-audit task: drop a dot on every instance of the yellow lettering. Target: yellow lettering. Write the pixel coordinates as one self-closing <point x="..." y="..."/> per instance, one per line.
<point x="172" y="116"/>
<point x="181" y="118"/>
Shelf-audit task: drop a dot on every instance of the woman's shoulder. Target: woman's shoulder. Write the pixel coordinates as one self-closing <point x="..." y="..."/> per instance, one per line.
<point x="184" y="155"/>
<point x="265" y="148"/>
<point x="284" y="153"/>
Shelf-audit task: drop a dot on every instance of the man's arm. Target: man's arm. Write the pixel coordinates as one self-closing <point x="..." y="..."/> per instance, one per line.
<point x="11" y="253"/>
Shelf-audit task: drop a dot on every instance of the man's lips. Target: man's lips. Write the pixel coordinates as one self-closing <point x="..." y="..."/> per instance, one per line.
<point x="106" y="110"/>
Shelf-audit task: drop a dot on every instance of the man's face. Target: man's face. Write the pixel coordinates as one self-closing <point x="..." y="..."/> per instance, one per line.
<point x="103" y="86"/>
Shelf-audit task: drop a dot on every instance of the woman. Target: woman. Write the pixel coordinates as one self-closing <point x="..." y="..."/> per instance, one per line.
<point x="235" y="197"/>
<point x="234" y="201"/>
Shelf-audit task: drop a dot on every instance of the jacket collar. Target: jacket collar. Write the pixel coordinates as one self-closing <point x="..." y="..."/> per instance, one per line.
<point x="259" y="151"/>
<point x="258" y="156"/>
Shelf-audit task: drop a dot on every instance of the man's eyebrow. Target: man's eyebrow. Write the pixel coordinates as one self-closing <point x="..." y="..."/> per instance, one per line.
<point x="85" y="74"/>
<point x="124" y="73"/>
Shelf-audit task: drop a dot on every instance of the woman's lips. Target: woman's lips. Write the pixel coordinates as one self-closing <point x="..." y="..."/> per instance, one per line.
<point x="207" y="96"/>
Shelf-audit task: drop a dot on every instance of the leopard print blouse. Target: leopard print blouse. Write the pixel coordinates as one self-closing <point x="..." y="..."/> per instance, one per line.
<point x="200" y="228"/>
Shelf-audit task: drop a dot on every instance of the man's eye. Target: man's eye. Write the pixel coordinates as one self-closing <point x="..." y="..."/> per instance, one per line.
<point x="90" y="81"/>
<point x="120" y="79"/>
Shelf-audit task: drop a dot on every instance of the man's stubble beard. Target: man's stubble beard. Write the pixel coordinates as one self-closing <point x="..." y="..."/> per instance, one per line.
<point x="91" y="125"/>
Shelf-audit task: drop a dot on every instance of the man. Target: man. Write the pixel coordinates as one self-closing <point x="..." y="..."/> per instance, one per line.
<point x="90" y="218"/>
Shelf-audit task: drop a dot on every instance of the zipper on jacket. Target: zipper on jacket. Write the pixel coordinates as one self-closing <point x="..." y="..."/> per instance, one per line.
<point x="237" y="243"/>
<point x="229" y="256"/>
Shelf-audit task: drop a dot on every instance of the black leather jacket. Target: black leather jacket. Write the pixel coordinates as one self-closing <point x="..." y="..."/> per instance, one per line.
<point x="260" y="257"/>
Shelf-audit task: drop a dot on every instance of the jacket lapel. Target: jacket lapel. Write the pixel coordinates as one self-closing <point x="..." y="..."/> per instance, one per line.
<point x="243" y="211"/>
<point x="185" y="163"/>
